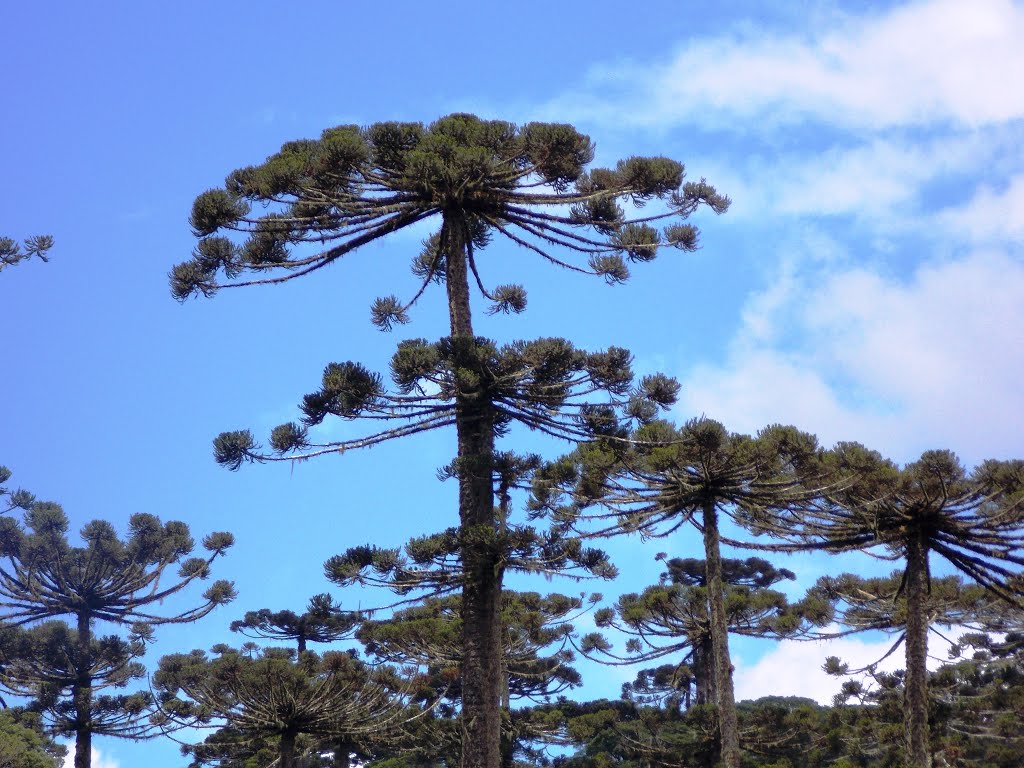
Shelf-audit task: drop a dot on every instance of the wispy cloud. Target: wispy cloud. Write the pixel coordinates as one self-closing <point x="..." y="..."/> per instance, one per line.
<point x="992" y="214"/>
<point x="876" y="181"/>
<point x="851" y="352"/>
<point x="794" y="668"/>
<point x="940" y="61"/>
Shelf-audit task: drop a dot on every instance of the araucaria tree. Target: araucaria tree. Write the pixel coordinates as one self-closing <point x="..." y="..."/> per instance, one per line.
<point x="323" y="622"/>
<point x="973" y="521"/>
<point x="43" y="579"/>
<point x="276" y="694"/>
<point x="665" y="478"/>
<point x="537" y="652"/>
<point x="671" y="619"/>
<point x="479" y="179"/>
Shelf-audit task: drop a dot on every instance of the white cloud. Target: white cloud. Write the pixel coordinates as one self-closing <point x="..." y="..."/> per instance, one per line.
<point x="933" y="361"/>
<point x="794" y="668"/>
<point x="99" y="760"/>
<point x="874" y="178"/>
<point x="915" y="64"/>
<point x="991" y="215"/>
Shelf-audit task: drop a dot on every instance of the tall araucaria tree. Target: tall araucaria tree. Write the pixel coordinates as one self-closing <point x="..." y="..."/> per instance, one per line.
<point x="43" y="578"/>
<point x="479" y="179"/>
<point x="663" y="479"/>
<point x="973" y="521"/>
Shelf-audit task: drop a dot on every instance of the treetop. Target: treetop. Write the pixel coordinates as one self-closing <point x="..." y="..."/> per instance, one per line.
<point x="529" y="184"/>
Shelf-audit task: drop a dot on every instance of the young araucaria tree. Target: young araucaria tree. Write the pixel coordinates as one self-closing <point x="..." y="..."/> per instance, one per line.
<point x="537" y="651"/>
<point x="429" y="571"/>
<point x="671" y="619"/>
<point x="973" y="521"/>
<point x="478" y="179"/>
<point x="666" y="478"/>
<point x="323" y="622"/>
<point x="122" y="582"/>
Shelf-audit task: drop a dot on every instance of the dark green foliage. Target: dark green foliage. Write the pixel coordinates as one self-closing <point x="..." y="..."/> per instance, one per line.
<point x="537" y="650"/>
<point x="11" y="252"/>
<point x="110" y="579"/>
<point x="13" y="499"/>
<point x="45" y="663"/>
<point x="880" y="604"/>
<point x="974" y="521"/>
<point x="432" y="563"/>
<point x="663" y="478"/>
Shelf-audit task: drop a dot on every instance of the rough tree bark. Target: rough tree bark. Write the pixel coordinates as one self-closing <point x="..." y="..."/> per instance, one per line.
<point x="916" y="690"/>
<point x="482" y="564"/>
<point x="83" y="695"/>
<point x="728" y="724"/>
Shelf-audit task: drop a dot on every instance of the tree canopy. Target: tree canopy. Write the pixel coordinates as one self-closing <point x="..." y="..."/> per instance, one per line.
<point x="44" y="578"/>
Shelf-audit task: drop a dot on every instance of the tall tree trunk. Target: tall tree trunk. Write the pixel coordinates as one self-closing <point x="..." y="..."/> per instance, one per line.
<point x="481" y="556"/>
<point x="916" y="688"/>
<point x="704" y="670"/>
<point x="286" y="750"/>
<point x="82" y="695"/>
<point x="728" y="724"/>
<point x="508" y="742"/>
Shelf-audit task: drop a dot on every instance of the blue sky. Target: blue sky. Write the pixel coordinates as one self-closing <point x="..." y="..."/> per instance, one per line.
<point x="867" y="284"/>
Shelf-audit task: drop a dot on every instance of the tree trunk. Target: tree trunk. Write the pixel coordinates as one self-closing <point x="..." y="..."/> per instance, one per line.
<point x="915" y="711"/>
<point x="481" y="556"/>
<point x="286" y="750"/>
<point x="82" y="695"/>
<point x="342" y="751"/>
<point x="704" y="670"/>
<point x="728" y="724"/>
